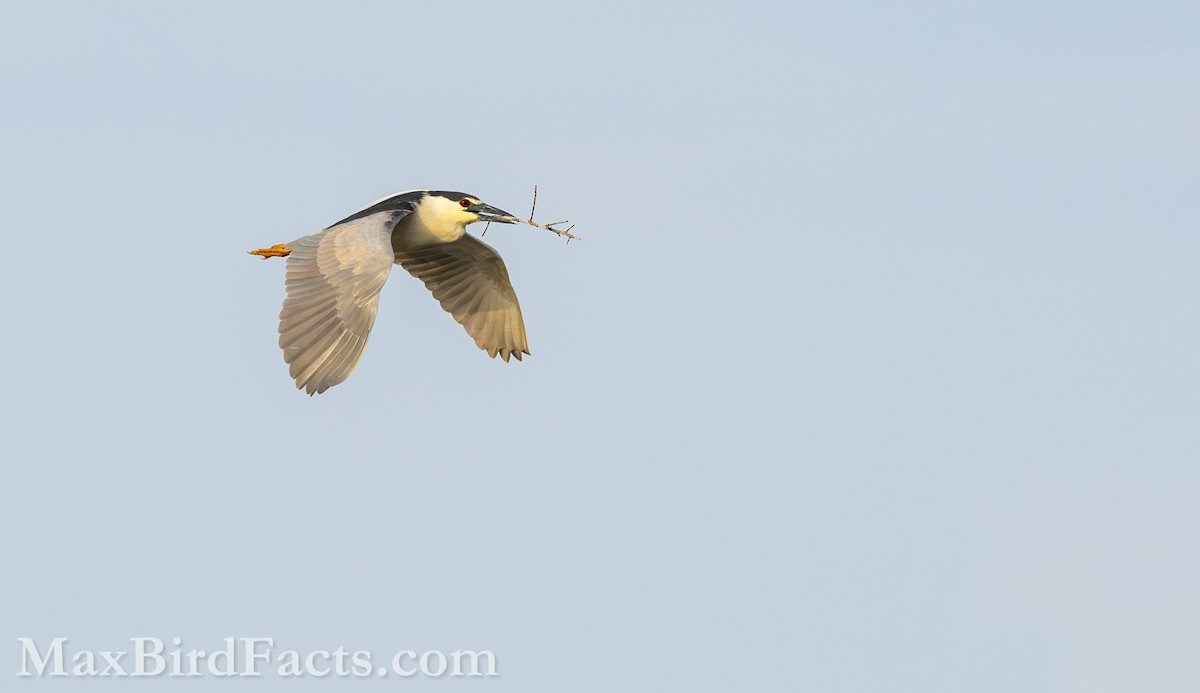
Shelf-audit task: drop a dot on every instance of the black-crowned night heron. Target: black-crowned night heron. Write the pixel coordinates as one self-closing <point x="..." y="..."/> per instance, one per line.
<point x="334" y="277"/>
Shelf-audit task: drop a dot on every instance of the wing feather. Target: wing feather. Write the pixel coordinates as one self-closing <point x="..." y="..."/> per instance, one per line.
<point x="333" y="282"/>
<point x="470" y="281"/>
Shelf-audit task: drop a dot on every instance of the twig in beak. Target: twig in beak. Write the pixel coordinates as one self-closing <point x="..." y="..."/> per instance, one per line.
<point x="549" y="227"/>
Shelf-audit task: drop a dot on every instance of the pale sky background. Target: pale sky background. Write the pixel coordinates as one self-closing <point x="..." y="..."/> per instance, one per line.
<point x="876" y="369"/>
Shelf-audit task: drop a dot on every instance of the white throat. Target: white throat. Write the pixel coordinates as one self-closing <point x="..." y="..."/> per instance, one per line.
<point x="438" y="220"/>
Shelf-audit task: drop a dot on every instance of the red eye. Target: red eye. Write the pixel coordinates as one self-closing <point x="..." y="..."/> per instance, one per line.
<point x="464" y="202"/>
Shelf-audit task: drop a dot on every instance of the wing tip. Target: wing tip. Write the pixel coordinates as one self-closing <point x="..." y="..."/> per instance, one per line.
<point x="506" y="353"/>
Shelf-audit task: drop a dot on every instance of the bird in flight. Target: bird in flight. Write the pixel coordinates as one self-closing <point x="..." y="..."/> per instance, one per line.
<point x="334" y="277"/>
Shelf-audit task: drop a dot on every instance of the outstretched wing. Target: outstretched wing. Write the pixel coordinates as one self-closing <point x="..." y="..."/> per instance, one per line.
<point x="470" y="281"/>
<point x="333" y="282"/>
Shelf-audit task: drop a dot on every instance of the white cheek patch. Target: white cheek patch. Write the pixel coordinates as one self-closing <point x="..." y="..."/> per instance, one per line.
<point x="439" y="220"/>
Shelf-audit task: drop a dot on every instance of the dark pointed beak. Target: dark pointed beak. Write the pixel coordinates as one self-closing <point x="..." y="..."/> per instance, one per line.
<point x="489" y="213"/>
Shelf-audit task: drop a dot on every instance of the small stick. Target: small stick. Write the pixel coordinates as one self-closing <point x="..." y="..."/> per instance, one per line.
<point x="549" y="227"/>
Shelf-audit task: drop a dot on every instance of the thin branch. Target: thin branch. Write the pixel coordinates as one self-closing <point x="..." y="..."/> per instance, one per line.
<point x="549" y="227"/>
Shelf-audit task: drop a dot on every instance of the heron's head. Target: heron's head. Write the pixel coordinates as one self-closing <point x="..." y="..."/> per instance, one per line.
<point x="460" y="208"/>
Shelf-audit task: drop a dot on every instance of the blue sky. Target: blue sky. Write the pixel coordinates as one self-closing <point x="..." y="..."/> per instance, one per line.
<point x="875" y="369"/>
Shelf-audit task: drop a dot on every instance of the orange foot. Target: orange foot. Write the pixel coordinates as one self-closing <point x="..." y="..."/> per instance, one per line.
<point x="280" y="250"/>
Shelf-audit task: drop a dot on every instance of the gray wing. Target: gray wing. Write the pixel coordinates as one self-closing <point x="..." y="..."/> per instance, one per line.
<point x="470" y="281"/>
<point x="333" y="282"/>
